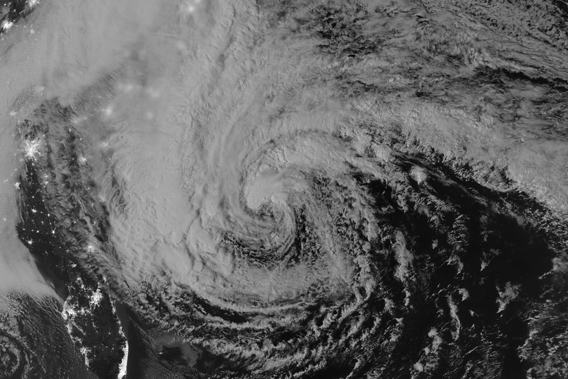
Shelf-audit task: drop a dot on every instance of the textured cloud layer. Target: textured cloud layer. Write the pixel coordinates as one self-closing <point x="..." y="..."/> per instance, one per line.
<point x="329" y="189"/>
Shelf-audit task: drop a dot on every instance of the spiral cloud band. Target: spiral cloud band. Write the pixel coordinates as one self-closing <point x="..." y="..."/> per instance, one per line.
<point x="262" y="189"/>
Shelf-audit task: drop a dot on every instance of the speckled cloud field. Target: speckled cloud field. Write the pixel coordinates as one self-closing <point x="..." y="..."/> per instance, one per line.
<point x="278" y="189"/>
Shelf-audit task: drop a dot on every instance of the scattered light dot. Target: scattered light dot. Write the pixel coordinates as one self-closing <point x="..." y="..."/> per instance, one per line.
<point x="31" y="148"/>
<point x="96" y="298"/>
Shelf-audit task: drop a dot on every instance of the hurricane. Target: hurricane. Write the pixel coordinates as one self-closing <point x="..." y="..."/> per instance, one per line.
<point x="285" y="189"/>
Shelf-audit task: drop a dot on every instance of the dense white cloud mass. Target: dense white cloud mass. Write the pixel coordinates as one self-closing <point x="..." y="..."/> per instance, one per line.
<point x="271" y="188"/>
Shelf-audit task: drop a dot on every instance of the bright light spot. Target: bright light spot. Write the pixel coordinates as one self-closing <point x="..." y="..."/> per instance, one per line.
<point x="82" y="160"/>
<point x="189" y="6"/>
<point x="85" y="351"/>
<point x="68" y="312"/>
<point x="90" y="248"/>
<point x="31" y="148"/>
<point x="6" y="24"/>
<point x="108" y="111"/>
<point x="96" y="298"/>
<point x="123" y="364"/>
<point x="32" y="3"/>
